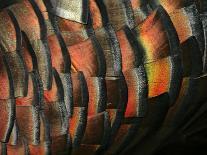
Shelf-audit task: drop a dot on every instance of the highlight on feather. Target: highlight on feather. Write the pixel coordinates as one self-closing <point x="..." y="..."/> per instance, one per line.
<point x="154" y="36"/>
<point x="73" y="10"/>
<point x="158" y="42"/>
<point x="97" y="95"/>
<point x="66" y="81"/>
<point x="137" y="92"/>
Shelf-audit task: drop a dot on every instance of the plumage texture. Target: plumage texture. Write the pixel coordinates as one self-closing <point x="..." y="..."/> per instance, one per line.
<point x="101" y="76"/>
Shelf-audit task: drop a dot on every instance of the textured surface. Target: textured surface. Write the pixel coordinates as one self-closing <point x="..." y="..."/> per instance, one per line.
<point x="102" y="76"/>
